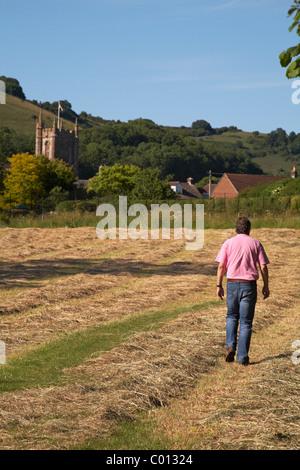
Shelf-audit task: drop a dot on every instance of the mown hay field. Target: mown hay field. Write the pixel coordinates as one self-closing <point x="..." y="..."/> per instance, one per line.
<point x="100" y="332"/>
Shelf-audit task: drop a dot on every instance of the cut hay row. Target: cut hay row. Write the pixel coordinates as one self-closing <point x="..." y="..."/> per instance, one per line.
<point x="113" y="287"/>
<point x="257" y="408"/>
<point x="146" y="371"/>
<point x="123" y="285"/>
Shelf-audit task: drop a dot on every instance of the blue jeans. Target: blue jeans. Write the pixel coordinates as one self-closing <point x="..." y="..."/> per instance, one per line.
<point x="241" y="300"/>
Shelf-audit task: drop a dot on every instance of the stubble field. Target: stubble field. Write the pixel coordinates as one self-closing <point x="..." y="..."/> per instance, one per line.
<point x="102" y="333"/>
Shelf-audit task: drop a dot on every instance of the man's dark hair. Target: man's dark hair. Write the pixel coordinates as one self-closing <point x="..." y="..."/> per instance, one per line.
<point x="243" y="225"/>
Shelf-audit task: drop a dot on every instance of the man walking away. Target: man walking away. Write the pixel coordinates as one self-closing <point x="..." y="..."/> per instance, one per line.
<point x="239" y="256"/>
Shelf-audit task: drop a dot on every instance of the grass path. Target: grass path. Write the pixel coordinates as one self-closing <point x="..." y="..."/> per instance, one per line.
<point x="244" y="408"/>
<point x="230" y="407"/>
<point x="128" y="352"/>
<point x="44" y="365"/>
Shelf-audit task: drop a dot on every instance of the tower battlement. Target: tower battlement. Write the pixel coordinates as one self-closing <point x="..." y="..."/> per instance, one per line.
<point x="57" y="143"/>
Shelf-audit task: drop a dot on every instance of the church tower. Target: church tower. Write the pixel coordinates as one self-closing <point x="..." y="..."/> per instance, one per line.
<point x="57" y="142"/>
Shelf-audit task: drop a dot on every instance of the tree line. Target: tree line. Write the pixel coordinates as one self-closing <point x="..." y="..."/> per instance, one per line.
<point x="145" y="144"/>
<point x="178" y="153"/>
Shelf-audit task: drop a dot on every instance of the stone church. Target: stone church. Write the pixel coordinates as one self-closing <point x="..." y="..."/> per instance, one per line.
<point x="57" y="142"/>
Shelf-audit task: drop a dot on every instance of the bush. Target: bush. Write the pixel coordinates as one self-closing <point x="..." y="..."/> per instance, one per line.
<point x="87" y="206"/>
<point x="295" y="203"/>
<point x="4" y="219"/>
<point x="65" y="206"/>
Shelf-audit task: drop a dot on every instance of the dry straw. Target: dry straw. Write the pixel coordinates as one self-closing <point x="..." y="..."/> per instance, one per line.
<point x="88" y="281"/>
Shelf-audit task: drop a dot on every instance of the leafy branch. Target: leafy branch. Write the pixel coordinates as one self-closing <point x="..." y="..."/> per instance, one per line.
<point x="287" y="57"/>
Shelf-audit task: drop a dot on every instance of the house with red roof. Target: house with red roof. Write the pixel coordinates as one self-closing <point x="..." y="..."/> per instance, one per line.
<point x="231" y="184"/>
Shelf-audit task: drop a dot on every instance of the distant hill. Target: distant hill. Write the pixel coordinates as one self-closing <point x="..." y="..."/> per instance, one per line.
<point x="20" y="116"/>
<point x="275" y="153"/>
<point x="272" y="159"/>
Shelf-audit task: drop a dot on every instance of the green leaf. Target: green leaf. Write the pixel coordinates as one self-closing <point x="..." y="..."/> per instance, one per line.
<point x="293" y="70"/>
<point x="294" y="51"/>
<point x="293" y="26"/>
<point x="285" y="59"/>
<point x="292" y="10"/>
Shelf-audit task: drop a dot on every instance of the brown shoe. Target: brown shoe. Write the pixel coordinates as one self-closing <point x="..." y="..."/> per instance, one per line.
<point x="230" y="354"/>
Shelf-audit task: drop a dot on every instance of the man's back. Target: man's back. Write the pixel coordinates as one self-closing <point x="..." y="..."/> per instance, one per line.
<point x="240" y="255"/>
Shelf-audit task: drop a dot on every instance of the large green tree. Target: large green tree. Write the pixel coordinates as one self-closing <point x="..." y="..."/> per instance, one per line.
<point x="290" y="58"/>
<point x="13" y="87"/>
<point x="149" y="186"/>
<point x="57" y="173"/>
<point x="24" y="182"/>
<point x="12" y="143"/>
<point x="30" y="179"/>
<point x="116" y="180"/>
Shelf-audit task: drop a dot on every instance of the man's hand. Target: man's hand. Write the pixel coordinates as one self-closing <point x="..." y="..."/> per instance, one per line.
<point x="220" y="274"/>
<point x="265" y="292"/>
<point x="220" y="292"/>
<point x="265" y="276"/>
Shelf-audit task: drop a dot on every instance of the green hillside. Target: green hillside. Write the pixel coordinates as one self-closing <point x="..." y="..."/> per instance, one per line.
<point x="224" y="149"/>
<point x="20" y="116"/>
<point x="277" y="160"/>
<point x="286" y="187"/>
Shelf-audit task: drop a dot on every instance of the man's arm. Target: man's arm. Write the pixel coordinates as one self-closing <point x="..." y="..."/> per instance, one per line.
<point x="265" y="276"/>
<point x="220" y="275"/>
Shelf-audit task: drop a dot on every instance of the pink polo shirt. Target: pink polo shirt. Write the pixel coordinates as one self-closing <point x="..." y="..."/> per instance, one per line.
<point x="240" y="254"/>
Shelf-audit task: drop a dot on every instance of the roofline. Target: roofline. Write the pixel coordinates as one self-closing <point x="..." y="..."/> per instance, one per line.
<point x="251" y="174"/>
<point x="226" y="174"/>
<point x="244" y="174"/>
<point x="232" y="182"/>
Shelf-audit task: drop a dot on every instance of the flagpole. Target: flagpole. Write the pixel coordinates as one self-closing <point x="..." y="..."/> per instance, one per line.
<point x="58" y="116"/>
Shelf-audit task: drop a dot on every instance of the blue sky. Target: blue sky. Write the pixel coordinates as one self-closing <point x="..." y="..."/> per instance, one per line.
<point x="171" y="61"/>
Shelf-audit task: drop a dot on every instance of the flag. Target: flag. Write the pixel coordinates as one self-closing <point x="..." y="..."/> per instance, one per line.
<point x="59" y="106"/>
